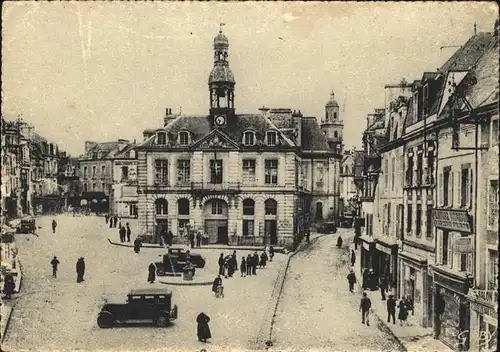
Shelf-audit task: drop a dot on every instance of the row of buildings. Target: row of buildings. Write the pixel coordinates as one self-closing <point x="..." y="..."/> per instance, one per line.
<point x="36" y="176"/>
<point x="427" y="197"/>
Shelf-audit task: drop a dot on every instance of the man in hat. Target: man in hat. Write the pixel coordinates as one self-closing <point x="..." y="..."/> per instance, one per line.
<point x="364" y="307"/>
<point x="80" y="270"/>
<point x="391" y="309"/>
<point x="54" y="262"/>
<point x="351" y="278"/>
<point x="129" y="232"/>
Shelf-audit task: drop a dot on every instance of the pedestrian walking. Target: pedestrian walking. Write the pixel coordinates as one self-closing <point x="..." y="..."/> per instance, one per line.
<point x="221" y="264"/>
<point x="235" y="261"/>
<point x="170" y="238"/>
<point x="111" y="219"/>
<point x="191" y="239"/>
<point x="243" y="267"/>
<point x="54" y="225"/>
<point x="364" y="307"/>
<point x="217" y="282"/>
<point x="122" y="233"/>
<point x="409" y="304"/>
<point x="115" y="221"/>
<point x="308" y="236"/>
<point x="263" y="260"/>
<point x="203" y="330"/>
<point x="230" y="266"/>
<point x="383" y="286"/>
<point x="9" y="285"/>
<point x="249" y="264"/>
<point x="54" y="262"/>
<point x="129" y="232"/>
<point x="391" y="309"/>
<point x="353" y="257"/>
<point x="119" y="223"/>
<point x="403" y="312"/>
<point x="255" y="262"/>
<point x="80" y="270"/>
<point x="351" y="279"/>
<point x="198" y="239"/>
<point x="339" y="242"/>
<point x="271" y="253"/>
<point x="151" y="273"/>
<point x="137" y="245"/>
<point x="106" y="217"/>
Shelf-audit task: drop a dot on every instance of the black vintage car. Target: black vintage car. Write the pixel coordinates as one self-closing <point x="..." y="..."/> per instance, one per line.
<point x="180" y="253"/>
<point x="144" y="305"/>
<point x="171" y="265"/>
<point x="328" y="227"/>
<point x="26" y="226"/>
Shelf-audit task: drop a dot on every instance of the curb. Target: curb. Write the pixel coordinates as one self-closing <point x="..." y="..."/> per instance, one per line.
<point x="264" y="336"/>
<point x="7" y="322"/>
<point x="203" y="283"/>
<point x="241" y="248"/>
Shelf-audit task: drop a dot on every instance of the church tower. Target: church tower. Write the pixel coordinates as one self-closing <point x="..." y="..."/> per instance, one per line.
<point x="221" y="84"/>
<point x="332" y="125"/>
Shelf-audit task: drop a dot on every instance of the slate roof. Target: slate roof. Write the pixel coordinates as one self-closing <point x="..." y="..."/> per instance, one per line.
<point x="124" y="152"/>
<point x="311" y="136"/>
<point x="106" y="149"/>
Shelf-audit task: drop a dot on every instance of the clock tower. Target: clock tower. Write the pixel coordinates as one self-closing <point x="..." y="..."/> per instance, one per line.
<point x="221" y="84"/>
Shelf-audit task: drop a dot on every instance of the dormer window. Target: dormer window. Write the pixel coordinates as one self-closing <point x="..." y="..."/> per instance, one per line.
<point x="249" y="138"/>
<point x="271" y="138"/>
<point x="161" y="138"/>
<point x="184" y="138"/>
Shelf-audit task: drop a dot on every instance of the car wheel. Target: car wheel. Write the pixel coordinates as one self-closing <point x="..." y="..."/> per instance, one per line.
<point x="160" y="271"/>
<point x="105" y="320"/>
<point x="162" y="321"/>
<point x="202" y="263"/>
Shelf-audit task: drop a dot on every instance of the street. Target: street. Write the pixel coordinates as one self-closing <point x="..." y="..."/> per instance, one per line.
<point x="59" y="314"/>
<point x="316" y="309"/>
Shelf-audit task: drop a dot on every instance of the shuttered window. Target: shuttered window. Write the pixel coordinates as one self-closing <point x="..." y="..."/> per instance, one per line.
<point x="441" y="190"/>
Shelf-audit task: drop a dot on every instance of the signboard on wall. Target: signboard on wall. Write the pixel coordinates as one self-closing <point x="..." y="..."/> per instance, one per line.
<point x="454" y="220"/>
<point x="463" y="245"/>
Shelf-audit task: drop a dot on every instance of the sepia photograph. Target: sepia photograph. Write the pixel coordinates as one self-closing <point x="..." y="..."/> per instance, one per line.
<point x="249" y="176"/>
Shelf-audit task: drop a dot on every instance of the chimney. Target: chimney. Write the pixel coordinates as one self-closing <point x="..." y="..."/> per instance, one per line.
<point x="89" y="145"/>
<point x="122" y="143"/>
<point x="264" y="110"/>
<point x="169" y="117"/>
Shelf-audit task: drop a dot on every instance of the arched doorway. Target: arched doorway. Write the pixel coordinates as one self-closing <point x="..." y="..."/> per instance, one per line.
<point x="270" y="221"/>
<point x="319" y="211"/>
<point x="161" y="218"/>
<point x="215" y="215"/>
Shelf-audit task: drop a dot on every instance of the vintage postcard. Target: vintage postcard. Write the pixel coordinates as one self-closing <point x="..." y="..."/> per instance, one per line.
<point x="248" y="176"/>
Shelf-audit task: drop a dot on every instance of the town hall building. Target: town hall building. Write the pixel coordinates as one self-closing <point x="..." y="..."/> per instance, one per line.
<point x="243" y="179"/>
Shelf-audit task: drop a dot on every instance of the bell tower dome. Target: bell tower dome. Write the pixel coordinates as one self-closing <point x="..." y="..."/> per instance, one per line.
<point x="332" y="125"/>
<point x="221" y="82"/>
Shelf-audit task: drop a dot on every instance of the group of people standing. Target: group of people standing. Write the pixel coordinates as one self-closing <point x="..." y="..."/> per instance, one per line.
<point x="125" y="233"/>
<point x="228" y="265"/>
<point x="198" y="238"/>
<point x="113" y="221"/>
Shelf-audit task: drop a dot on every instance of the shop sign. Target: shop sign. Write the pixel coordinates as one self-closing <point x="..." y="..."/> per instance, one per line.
<point x="366" y="246"/>
<point x="455" y="220"/>
<point x="383" y="249"/>
<point x="482" y="309"/>
<point x="463" y="245"/>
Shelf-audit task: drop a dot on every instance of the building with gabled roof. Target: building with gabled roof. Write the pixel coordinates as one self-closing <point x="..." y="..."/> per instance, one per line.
<point x="245" y="179"/>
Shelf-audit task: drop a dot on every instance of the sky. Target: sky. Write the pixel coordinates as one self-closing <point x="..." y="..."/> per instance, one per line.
<point x="100" y="71"/>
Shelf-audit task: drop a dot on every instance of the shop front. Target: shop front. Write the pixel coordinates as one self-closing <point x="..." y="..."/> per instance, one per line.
<point x="368" y="255"/>
<point x="387" y="254"/>
<point x="414" y="283"/>
<point x="484" y="319"/>
<point x="452" y="326"/>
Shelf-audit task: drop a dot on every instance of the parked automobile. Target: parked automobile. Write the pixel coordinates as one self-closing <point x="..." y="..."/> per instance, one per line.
<point x="328" y="227"/>
<point x="26" y="226"/>
<point x="179" y="252"/>
<point x="346" y="222"/>
<point x="171" y="265"/>
<point x="143" y="305"/>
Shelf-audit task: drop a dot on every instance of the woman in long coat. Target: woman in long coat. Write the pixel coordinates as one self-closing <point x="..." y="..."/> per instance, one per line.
<point x="8" y="285"/>
<point x="151" y="273"/>
<point x="339" y="242"/>
<point x="203" y="330"/>
<point x="271" y="253"/>
<point x="403" y="312"/>
<point x="263" y="259"/>
<point x="137" y="245"/>
<point x="243" y="267"/>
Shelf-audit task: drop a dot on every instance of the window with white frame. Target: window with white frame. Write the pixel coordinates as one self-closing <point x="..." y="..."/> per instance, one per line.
<point x="248" y="227"/>
<point x="249" y="138"/>
<point x="103" y="171"/>
<point x="493" y="205"/>
<point x="161" y="172"/>
<point x="183" y="138"/>
<point x="94" y="169"/>
<point x="445" y="247"/>
<point x="271" y="171"/>
<point x="85" y="172"/>
<point x="271" y="138"/>
<point x="217" y="207"/>
<point x="161" y="206"/>
<point x="183" y="171"/>
<point x="248" y="172"/>
<point x="492" y="269"/>
<point x="161" y="138"/>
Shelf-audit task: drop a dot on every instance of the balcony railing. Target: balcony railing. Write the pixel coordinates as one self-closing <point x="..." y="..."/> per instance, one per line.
<point x="216" y="187"/>
<point x="488" y="296"/>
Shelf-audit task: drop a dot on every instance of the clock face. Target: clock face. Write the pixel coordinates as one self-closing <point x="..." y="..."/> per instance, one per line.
<point x="220" y="120"/>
